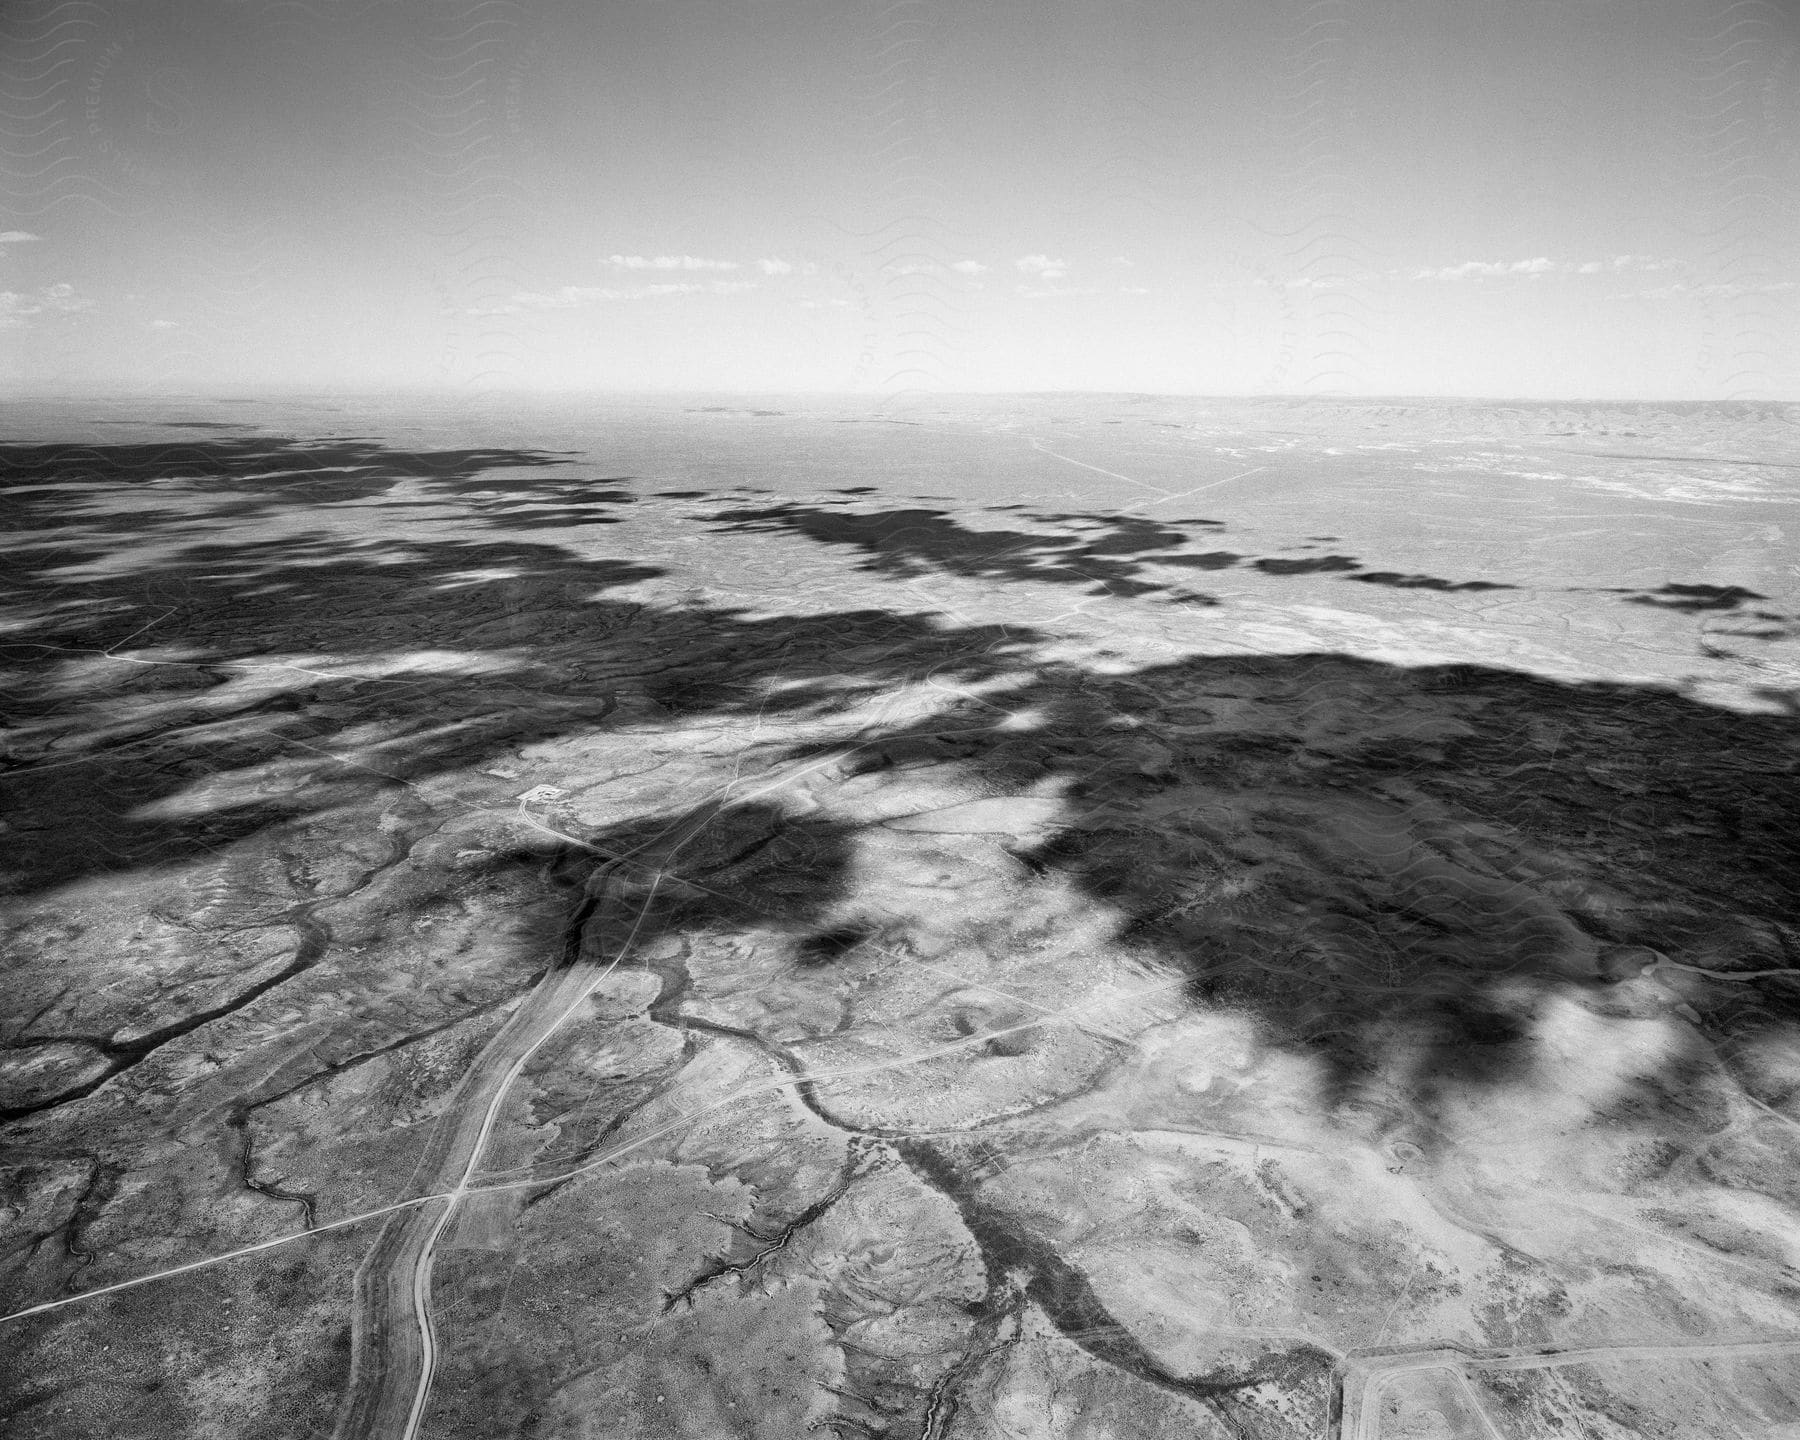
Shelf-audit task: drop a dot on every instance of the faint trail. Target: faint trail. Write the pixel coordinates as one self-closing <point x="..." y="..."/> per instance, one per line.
<point x="1043" y="449"/>
<point x="1164" y="496"/>
<point x="1399" y="1300"/>
<point x="1211" y="484"/>
<point x="210" y="1260"/>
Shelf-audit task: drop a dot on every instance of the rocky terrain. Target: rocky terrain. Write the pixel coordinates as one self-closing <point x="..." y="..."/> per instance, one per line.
<point x="1061" y="919"/>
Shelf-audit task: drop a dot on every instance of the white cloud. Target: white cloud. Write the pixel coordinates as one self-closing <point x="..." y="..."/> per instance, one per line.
<point x="1544" y="265"/>
<point x="1468" y="269"/>
<point x="775" y="267"/>
<point x="668" y="262"/>
<point x="16" y="306"/>
<point x="15" y="237"/>
<point x="1134" y="289"/>
<point x="165" y="324"/>
<point x="968" y="267"/>
<point x="1121" y="260"/>
<point x="915" y="267"/>
<point x="1033" y="292"/>
<point x="1042" y="266"/>
<point x="1465" y="270"/>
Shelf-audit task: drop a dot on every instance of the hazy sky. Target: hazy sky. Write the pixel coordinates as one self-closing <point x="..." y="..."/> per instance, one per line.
<point x="1492" y="197"/>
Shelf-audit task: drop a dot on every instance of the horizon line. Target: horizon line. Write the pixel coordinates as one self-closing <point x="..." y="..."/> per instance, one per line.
<point x="215" y="394"/>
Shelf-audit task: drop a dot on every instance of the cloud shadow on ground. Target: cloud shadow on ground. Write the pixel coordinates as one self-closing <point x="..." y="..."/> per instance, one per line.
<point x="136" y="645"/>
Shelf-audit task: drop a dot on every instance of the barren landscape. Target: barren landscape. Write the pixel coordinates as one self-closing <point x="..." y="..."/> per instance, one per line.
<point x="1039" y="917"/>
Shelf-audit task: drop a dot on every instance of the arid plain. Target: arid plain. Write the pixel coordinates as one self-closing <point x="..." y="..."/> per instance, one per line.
<point x="1041" y="917"/>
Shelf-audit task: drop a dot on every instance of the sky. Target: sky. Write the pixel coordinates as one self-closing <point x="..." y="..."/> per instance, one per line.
<point x="1510" y="198"/>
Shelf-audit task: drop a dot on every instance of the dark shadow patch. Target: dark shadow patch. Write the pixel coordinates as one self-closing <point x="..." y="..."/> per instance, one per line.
<point x="1683" y="812"/>
<point x="1313" y="566"/>
<point x="268" y="471"/>
<point x="1211" y="560"/>
<point x="829" y="945"/>
<point x="1425" y="582"/>
<point x="1668" y="826"/>
<point x="1693" y="598"/>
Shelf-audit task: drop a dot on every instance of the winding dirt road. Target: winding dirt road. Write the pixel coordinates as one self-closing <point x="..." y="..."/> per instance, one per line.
<point x="394" y="1342"/>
